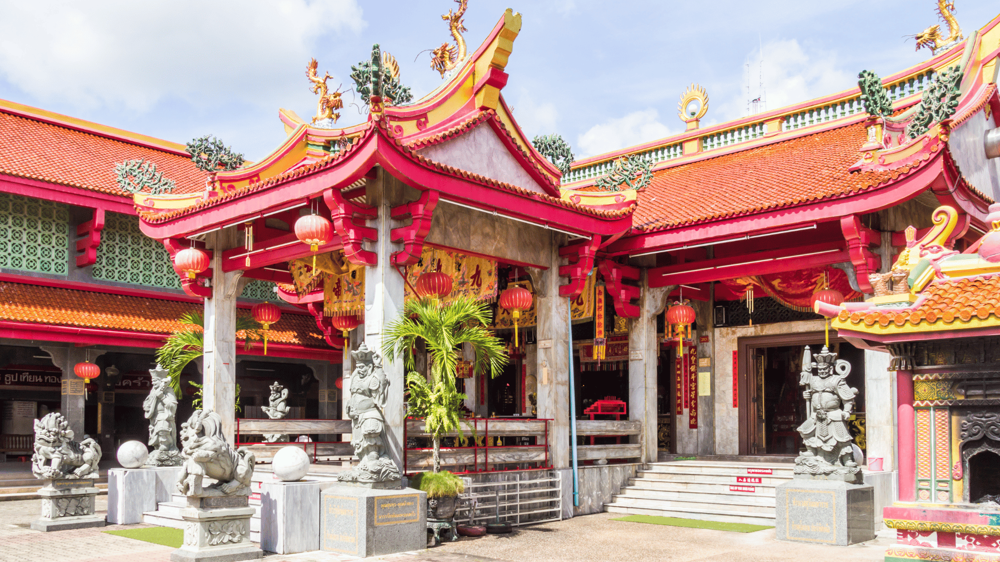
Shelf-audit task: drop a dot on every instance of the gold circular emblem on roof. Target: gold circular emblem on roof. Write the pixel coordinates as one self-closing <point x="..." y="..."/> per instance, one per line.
<point x="694" y="104"/>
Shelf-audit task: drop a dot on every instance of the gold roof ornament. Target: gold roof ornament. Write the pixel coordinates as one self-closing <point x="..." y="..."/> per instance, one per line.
<point x="932" y="37"/>
<point x="446" y="57"/>
<point x="328" y="103"/>
<point x="693" y="105"/>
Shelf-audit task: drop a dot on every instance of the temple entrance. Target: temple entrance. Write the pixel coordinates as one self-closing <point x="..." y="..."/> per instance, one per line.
<point x="984" y="477"/>
<point x="771" y="403"/>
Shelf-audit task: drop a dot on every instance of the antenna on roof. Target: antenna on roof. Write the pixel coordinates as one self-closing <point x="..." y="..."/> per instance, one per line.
<point x="758" y="104"/>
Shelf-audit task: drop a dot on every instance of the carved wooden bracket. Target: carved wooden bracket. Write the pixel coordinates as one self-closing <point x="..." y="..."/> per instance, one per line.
<point x="91" y="233"/>
<point x="200" y="286"/>
<point x="622" y="295"/>
<point x="349" y="223"/>
<point x="325" y="325"/>
<point x="413" y="235"/>
<point x="581" y="263"/>
<point x="859" y="241"/>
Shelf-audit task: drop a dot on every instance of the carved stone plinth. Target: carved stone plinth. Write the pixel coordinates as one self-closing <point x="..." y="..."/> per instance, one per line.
<point x="68" y="504"/>
<point x="217" y="529"/>
<point x="824" y="511"/>
<point x="361" y="521"/>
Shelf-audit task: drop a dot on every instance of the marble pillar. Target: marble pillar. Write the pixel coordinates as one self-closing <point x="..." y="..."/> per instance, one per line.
<point x="329" y="396"/>
<point x="552" y="356"/>
<point x="878" y="414"/>
<point x="346" y="368"/>
<point x="642" y="377"/>
<point x="219" y="367"/>
<point x="384" y="289"/>
<point x="73" y="401"/>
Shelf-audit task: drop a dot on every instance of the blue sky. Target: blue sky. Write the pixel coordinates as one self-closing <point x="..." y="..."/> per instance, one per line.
<point x="605" y="75"/>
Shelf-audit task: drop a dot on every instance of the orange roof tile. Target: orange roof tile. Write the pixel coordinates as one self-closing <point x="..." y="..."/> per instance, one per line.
<point x="47" y="152"/>
<point x="783" y="174"/>
<point x="69" y="307"/>
<point x="943" y="301"/>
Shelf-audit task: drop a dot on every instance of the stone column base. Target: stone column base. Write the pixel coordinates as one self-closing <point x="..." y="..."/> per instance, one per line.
<point x="131" y="492"/>
<point x="824" y="511"/>
<point x="68" y="504"/>
<point x="216" y="534"/>
<point x="365" y="522"/>
<point x="289" y="516"/>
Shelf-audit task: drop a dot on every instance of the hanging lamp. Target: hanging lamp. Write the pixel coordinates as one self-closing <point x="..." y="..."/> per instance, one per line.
<point x="345" y="323"/>
<point x="516" y="300"/>
<point x="828" y="296"/>
<point x="315" y="231"/>
<point x="435" y="285"/>
<point x="191" y="261"/>
<point x="267" y="314"/>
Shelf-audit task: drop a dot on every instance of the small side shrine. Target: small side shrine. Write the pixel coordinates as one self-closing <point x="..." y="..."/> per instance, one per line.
<point x="937" y="312"/>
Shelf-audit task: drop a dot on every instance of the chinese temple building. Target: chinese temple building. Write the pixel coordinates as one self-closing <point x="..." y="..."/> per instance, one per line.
<point x="672" y="283"/>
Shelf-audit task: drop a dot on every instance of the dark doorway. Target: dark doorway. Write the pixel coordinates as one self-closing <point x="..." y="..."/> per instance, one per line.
<point x="503" y="392"/>
<point x="984" y="476"/>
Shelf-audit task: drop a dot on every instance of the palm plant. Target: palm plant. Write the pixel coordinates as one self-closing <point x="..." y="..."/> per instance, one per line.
<point x="443" y="329"/>
<point x="187" y="344"/>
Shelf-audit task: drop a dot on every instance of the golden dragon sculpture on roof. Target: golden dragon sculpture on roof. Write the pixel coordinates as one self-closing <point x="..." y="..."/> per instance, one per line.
<point x="328" y="103"/>
<point x="932" y="38"/>
<point x="446" y="57"/>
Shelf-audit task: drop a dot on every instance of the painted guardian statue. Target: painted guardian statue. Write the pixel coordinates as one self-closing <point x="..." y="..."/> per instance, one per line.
<point x="369" y="390"/>
<point x="57" y="456"/>
<point x="828" y="452"/>
<point x="207" y="454"/>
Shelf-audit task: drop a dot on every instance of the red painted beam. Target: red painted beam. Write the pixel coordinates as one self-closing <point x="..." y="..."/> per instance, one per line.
<point x="859" y="239"/>
<point x="580" y="257"/>
<point x="59" y="193"/>
<point x="760" y="263"/>
<point x="271" y="251"/>
<point x="421" y="213"/>
<point x="269" y="275"/>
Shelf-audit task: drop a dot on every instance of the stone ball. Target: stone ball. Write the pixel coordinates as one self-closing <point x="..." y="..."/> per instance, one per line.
<point x="132" y="454"/>
<point x="290" y="464"/>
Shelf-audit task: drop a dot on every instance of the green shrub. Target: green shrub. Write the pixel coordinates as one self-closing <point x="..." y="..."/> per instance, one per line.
<point x="438" y="484"/>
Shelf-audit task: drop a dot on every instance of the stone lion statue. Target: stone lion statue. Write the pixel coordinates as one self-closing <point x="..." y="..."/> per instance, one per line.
<point x="207" y="454"/>
<point x="58" y="456"/>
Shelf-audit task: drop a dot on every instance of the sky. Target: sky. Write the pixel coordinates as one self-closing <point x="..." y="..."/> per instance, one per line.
<point x="604" y="75"/>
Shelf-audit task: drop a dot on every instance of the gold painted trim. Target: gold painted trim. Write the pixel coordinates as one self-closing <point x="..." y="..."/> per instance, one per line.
<point x="937" y="526"/>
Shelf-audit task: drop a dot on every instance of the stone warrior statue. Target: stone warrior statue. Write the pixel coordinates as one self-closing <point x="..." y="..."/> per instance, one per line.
<point x="160" y="408"/>
<point x="829" y="401"/>
<point x="276" y="409"/>
<point x="57" y="456"/>
<point x="369" y="390"/>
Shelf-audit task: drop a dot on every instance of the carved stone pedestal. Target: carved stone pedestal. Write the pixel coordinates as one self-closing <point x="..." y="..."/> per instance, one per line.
<point x="363" y="522"/>
<point x="824" y="511"/>
<point x="68" y="504"/>
<point x="217" y="529"/>
<point x="131" y="492"/>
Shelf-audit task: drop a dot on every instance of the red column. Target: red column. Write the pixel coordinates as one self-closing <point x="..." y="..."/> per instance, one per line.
<point x="907" y="442"/>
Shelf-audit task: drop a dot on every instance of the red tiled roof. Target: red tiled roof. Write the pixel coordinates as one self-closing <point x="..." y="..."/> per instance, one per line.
<point x="47" y="152"/>
<point x="783" y="174"/>
<point x="69" y="307"/>
<point x="943" y="301"/>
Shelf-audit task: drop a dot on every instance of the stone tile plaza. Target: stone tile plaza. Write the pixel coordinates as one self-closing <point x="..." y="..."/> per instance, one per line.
<point x="417" y="333"/>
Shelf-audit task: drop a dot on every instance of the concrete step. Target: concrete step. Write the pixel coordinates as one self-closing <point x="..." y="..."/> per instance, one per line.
<point x="710" y="478"/>
<point x="702" y="487"/>
<point x="701" y="515"/>
<point x="646" y="501"/>
<point x="725" y="469"/>
<point x="748" y="496"/>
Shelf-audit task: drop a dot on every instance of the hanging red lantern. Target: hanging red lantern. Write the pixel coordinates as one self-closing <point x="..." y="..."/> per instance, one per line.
<point x="345" y="323"/>
<point x="435" y="285"/>
<point x="829" y="296"/>
<point x="315" y="231"/>
<point x="680" y="317"/>
<point x="87" y="371"/>
<point x="339" y="383"/>
<point x="191" y="261"/>
<point x="267" y="314"/>
<point x="515" y="299"/>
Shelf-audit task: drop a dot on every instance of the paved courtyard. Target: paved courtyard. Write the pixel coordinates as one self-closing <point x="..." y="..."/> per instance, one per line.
<point x="592" y="538"/>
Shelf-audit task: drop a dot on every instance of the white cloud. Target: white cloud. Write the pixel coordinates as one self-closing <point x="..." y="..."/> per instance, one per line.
<point x="133" y="54"/>
<point x="791" y="74"/>
<point x="534" y="118"/>
<point x="635" y="128"/>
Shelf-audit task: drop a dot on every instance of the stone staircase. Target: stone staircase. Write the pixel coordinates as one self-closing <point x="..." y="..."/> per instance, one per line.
<point x="724" y="491"/>
<point x="168" y="514"/>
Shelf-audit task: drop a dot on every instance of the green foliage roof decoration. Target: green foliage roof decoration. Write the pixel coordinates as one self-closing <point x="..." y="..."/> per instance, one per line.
<point x="555" y="149"/>
<point x="134" y="176"/>
<point x="938" y="103"/>
<point x="209" y="154"/>
<point x="372" y="78"/>
<point x="873" y="94"/>
<point x="630" y="172"/>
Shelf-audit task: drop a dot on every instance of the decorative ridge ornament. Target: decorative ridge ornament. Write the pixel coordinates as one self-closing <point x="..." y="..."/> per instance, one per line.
<point x="873" y="95"/>
<point x="328" y="103"/>
<point x="938" y="102"/>
<point x="377" y="81"/>
<point x="555" y="149"/>
<point x="134" y="176"/>
<point x="632" y="172"/>
<point x="446" y="57"/>
<point x="210" y="154"/>
<point x="693" y="105"/>
<point x="931" y="37"/>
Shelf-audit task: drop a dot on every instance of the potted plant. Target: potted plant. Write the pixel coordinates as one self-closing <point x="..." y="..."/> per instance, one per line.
<point x="443" y="329"/>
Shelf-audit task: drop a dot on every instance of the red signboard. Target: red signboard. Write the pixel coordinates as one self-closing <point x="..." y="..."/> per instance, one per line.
<point x="482" y="389"/>
<point x="692" y="376"/>
<point x="680" y="394"/>
<point x="758" y="471"/>
<point x="748" y="489"/>
<point x="736" y="379"/>
<point x="748" y="479"/>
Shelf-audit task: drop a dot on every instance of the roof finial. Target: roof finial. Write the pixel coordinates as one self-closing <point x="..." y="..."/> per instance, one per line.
<point x="328" y="103"/>
<point x="932" y="37"/>
<point x="447" y="57"/>
<point x="693" y="106"/>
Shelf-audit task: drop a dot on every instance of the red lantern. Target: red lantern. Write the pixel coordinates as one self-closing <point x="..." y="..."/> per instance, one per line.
<point x="679" y="320"/>
<point x="829" y="296"/>
<point x="315" y="231"/>
<point x="435" y="285"/>
<point x="515" y="299"/>
<point x="345" y="323"/>
<point x="339" y="383"/>
<point x="87" y="371"/>
<point x="191" y="261"/>
<point x="267" y="314"/>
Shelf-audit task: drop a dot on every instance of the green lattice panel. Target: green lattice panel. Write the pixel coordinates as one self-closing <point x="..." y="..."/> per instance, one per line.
<point x="258" y="290"/>
<point x="34" y="235"/>
<point x="126" y="255"/>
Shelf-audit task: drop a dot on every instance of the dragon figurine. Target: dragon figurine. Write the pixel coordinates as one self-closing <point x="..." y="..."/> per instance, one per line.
<point x="446" y="57"/>
<point x="932" y="38"/>
<point x="328" y="104"/>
